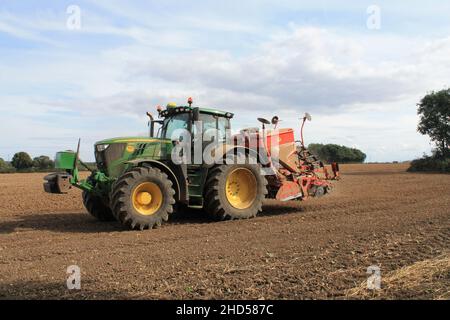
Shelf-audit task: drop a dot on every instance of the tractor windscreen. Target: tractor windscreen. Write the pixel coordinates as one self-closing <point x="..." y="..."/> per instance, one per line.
<point x="177" y="121"/>
<point x="213" y="123"/>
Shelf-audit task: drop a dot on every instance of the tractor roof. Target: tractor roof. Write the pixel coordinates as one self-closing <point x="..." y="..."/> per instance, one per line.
<point x="171" y="109"/>
<point x="215" y="111"/>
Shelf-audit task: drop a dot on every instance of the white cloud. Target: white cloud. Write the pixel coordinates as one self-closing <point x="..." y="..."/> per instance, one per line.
<point x="304" y="67"/>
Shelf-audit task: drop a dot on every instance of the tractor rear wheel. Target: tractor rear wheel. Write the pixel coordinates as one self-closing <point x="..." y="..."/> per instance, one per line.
<point x="96" y="207"/>
<point x="234" y="191"/>
<point x="142" y="198"/>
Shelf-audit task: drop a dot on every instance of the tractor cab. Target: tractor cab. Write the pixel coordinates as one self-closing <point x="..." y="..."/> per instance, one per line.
<point x="176" y="120"/>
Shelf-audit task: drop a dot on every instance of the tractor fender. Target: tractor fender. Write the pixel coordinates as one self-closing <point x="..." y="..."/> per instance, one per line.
<point x="179" y="184"/>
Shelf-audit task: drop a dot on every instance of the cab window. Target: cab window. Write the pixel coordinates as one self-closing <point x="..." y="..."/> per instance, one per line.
<point x="178" y="121"/>
<point x="213" y="122"/>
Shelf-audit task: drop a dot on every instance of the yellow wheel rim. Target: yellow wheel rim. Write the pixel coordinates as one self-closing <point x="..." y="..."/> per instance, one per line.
<point x="147" y="198"/>
<point x="241" y="188"/>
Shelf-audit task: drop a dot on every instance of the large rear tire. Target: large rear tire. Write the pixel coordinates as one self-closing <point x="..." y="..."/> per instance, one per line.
<point x="235" y="191"/>
<point x="96" y="207"/>
<point x="142" y="198"/>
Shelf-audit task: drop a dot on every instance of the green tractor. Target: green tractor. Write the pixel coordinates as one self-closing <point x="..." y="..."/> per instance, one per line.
<point x="138" y="183"/>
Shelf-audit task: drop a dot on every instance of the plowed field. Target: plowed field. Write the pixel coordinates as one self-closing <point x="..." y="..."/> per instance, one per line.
<point x="377" y="215"/>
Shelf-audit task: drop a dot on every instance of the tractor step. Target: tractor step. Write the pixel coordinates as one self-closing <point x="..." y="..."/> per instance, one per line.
<point x="196" y="176"/>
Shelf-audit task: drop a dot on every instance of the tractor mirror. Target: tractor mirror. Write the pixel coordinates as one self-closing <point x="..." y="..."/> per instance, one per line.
<point x="195" y="114"/>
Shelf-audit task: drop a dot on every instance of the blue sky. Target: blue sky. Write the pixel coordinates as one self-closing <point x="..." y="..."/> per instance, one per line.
<point x="254" y="58"/>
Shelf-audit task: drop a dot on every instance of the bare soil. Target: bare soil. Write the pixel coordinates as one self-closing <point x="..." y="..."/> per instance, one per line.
<point x="377" y="215"/>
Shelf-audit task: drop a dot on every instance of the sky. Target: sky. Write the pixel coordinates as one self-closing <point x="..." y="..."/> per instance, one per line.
<point x="92" y="69"/>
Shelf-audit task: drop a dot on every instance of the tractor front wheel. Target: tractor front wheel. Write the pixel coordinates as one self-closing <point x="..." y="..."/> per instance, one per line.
<point x="96" y="207"/>
<point x="142" y="198"/>
<point x="235" y="191"/>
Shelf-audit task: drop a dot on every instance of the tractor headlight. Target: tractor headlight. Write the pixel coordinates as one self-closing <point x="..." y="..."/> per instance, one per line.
<point x="102" y="147"/>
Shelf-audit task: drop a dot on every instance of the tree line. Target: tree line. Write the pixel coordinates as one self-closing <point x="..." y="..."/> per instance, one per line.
<point x="22" y="162"/>
<point x="336" y="153"/>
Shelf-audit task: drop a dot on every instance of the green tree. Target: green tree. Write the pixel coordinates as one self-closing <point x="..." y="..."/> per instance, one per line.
<point x="3" y="164"/>
<point x="43" y="162"/>
<point x="335" y="153"/>
<point x="434" y="112"/>
<point x="22" y="160"/>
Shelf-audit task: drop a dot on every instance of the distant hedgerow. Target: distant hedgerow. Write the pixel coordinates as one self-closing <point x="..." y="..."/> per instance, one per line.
<point x="430" y="164"/>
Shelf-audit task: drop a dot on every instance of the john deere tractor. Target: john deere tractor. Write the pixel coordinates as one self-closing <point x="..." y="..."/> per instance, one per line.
<point x="138" y="183"/>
